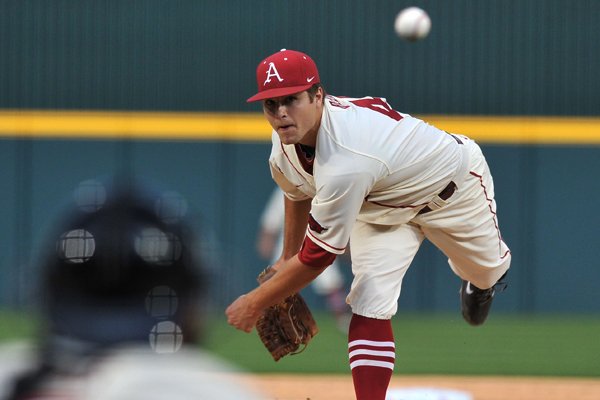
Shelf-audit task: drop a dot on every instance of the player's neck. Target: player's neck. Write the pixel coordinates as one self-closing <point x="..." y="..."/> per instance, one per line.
<point x="310" y="139"/>
<point x="309" y="142"/>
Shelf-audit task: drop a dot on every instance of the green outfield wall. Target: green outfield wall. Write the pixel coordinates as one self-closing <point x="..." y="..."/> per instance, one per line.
<point x="157" y="89"/>
<point x="546" y="196"/>
<point x="524" y="57"/>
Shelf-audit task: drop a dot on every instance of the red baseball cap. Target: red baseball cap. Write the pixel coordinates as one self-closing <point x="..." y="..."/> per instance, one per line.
<point x="283" y="73"/>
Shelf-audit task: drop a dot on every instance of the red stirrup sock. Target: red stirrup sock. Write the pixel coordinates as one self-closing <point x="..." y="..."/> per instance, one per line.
<point x="371" y="352"/>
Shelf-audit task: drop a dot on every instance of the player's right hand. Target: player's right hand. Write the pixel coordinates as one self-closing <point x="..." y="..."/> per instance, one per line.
<point x="241" y="314"/>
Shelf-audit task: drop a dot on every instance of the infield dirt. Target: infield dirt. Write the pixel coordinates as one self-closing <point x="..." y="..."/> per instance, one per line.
<point x="339" y="387"/>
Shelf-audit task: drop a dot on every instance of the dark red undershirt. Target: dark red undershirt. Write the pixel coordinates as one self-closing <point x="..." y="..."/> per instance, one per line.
<point x="306" y="155"/>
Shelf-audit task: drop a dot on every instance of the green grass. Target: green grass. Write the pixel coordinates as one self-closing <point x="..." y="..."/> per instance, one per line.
<point x="15" y="325"/>
<point x="327" y="352"/>
<point x="440" y="344"/>
<point x="503" y="345"/>
<point x="425" y="344"/>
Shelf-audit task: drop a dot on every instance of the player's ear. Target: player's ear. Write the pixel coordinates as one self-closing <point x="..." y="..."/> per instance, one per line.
<point x="320" y="95"/>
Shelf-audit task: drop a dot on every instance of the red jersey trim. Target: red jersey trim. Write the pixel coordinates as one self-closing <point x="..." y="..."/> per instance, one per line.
<point x="316" y="239"/>
<point x="494" y="216"/>
<point x="290" y="161"/>
<point x="315" y="256"/>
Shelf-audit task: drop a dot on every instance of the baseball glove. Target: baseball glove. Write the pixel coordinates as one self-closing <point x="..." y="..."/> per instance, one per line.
<point x="284" y="327"/>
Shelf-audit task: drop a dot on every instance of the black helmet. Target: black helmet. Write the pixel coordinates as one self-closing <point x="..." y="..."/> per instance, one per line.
<point x="118" y="271"/>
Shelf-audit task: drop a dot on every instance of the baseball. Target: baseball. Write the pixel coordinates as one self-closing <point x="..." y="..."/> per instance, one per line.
<point x="412" y="24"/>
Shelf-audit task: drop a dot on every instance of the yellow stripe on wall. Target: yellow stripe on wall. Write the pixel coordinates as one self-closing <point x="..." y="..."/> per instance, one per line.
<point x="136" y="125"/>
<point x="253" y="127"/>
<point x="522" y="130"/>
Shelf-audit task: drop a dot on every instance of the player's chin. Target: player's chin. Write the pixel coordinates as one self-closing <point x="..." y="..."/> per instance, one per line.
<point x="288" y="135"/>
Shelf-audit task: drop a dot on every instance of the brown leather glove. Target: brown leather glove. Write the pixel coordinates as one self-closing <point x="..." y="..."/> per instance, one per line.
<point x="284" y="327"/>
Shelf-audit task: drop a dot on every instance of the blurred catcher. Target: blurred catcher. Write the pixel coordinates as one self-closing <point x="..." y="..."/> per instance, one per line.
<point x="121" y="306"/>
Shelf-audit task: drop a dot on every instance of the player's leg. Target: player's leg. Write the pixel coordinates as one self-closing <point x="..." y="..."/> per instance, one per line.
<point x="380" y="257"/>
<point x="467" y="231"/>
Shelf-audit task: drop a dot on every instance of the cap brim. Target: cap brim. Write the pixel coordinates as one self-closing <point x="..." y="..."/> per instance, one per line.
<point x="278" y="92"/>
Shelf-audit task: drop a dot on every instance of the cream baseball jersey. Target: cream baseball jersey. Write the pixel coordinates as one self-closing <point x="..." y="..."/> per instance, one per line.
<point x="371" y="163"/>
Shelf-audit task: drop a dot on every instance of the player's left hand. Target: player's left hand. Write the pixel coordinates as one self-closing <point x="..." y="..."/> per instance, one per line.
<point x="241" y="315"/>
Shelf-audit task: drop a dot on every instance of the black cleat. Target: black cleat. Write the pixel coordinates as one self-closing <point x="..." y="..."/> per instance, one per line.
<point x="476" y="303"/>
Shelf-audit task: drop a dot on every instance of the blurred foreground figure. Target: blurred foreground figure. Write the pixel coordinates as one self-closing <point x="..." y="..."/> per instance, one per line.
<point x="121" y="295"/>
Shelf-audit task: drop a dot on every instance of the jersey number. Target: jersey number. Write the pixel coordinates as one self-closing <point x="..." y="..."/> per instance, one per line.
<point x="379" y="105"/>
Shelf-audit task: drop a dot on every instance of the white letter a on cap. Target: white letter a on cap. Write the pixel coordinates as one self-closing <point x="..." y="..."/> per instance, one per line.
<point x="272" y="72"/>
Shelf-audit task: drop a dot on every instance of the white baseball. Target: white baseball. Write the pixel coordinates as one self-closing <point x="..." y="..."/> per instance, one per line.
<point x="412" y="24"/>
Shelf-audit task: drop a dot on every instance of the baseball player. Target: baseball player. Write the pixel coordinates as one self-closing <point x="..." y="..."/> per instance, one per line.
<point x="355" y="171"/>
<point x="329" y="285"/>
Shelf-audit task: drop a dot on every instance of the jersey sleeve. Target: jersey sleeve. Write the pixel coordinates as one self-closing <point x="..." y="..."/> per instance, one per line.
<point x="336" y="206"/>
<point x="291" y="191"/>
